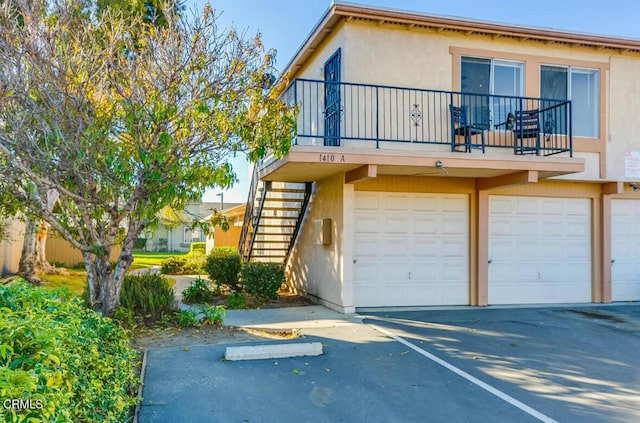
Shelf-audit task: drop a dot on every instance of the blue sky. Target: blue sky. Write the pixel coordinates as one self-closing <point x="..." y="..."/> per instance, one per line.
<point x="284" y="24"/>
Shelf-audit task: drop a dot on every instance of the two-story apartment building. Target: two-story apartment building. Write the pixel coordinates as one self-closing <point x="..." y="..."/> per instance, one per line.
<point x="444" y="161"/>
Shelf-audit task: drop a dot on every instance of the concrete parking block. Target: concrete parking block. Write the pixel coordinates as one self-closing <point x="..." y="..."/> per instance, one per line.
<point x="262" y="352"/>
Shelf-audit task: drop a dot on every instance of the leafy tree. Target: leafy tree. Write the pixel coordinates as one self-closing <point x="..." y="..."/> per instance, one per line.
<point x="122" y="118"/>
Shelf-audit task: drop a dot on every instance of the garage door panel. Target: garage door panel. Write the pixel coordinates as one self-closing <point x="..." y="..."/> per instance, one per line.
<point x="453" y="249"/>
<point x="578" y="208"/>
<point x="395" y="248"/>
<point x="425" y="225"/>
<point x="501" y="206"/>
<point x="454" y="205"/>
<point x="551" y="251"/>
<point x="453" y="226"/>
<point x="425" y="249"/>
<point x="552" y="229"/>
<point x="396" y="202"/>
<point x="393" y="270"/>
<point x="501" y="226"/>
<point x="425" y="204"/>
<point x="367" y="201"/>
<point x="546" y="257"/>
<point x="552" y="207"/>
<point x="577" y="252"/>
<point x="525" y="250"/>
<point x="366" y="247"/>
<point x="395" y="225"/>
<point x="366" y="224"/>
<point x="453" y="272"/>
<point x="526" y="207"/>
<point x="421" y="250"/>
<point x="527" y="228"/>
<point x="366" y="270"/>
<point x="625" y="250"/>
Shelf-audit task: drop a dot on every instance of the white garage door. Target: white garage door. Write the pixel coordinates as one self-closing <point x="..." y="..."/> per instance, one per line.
<point x="625" y="250"/>
<point x="539" y="250"/>
<point x="410" y="249"/>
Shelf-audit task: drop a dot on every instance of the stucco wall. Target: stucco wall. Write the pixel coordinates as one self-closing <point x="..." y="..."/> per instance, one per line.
<point x="624" y="133"/>
<point x="314" y="68"/>
<point x="314" y="268"/>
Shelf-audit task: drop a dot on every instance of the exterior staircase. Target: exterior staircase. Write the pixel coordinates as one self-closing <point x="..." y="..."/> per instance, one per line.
<point x="273" y="217"/>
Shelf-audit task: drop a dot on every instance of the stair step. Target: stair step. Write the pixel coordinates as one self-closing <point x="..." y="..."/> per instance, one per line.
<point x="277" y="226"/>
<point x="281" y="208"/>
<point x="285" y="200"/>
<point x="280" y="217"/>
<point x="270" y="248"/>
<point x="299" y="191"/>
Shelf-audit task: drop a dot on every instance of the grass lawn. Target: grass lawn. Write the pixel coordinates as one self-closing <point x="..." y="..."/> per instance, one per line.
<point x="75" y="281"/>
<point x="142" y="260"/>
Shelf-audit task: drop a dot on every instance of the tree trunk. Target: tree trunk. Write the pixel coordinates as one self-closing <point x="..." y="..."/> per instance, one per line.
<point x="41" y="265"/>
<point x="104" y="281"/>
<point x="27" y="266"/>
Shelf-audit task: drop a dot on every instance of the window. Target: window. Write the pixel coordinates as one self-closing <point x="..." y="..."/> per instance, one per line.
<point x="579" y="85"/>
<point x="490" y="77"/>
<point x="191" y="235"/>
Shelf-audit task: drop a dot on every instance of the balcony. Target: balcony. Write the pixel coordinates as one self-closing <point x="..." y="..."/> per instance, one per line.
<point x="370" y="122"/>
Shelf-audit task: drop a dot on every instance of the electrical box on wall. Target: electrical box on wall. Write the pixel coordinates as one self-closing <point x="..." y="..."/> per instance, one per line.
<point x="322" y="229"/>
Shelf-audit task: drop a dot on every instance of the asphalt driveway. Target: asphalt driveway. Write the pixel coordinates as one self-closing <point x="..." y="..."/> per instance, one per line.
<point x="471" y="365"/>
<point x="569" y="364"/>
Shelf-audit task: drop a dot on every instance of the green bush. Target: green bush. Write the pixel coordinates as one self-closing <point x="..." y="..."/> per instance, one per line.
<point x="200" y="247"/>
<point x="236" y="301"/>
<point x="192" y="263"/>
<point x="197" y="292"/>
<point x="223" y="267"/>
<point x="262" y="279"/>
<point x="148" y="296"/>
<point x="69" y="360"/>
<point x="213" y="315"/>
<point x="173" y="265"/>
<point x="186" y="318"/>
<point x="195" y="263"/>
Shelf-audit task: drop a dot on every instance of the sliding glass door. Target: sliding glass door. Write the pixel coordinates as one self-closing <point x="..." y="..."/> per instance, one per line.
<point x="485" y="77"/>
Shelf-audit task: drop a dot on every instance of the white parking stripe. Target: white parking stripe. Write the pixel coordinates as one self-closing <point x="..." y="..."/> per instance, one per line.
<point x="538" y="415"/>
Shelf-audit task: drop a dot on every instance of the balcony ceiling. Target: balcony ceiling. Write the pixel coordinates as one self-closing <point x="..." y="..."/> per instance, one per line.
<point x="307" y="163"/>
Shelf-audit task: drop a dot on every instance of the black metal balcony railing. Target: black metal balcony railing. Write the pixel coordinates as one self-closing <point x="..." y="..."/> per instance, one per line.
<point x="336" y="114"/>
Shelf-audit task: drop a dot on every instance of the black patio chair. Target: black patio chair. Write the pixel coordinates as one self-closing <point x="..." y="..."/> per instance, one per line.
<point x="525" y="125"/>
<point x="460" y="126"/>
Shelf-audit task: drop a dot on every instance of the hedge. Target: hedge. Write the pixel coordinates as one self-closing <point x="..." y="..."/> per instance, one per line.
<point x="69" y="362"/>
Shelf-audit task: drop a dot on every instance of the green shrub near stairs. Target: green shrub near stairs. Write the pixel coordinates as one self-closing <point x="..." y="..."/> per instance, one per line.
<point x="72" y="364"/>
<point x="262" y="279"/>
<point x="223" y="267"/>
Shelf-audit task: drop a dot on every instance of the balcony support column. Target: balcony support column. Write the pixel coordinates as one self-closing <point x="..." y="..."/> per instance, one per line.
<point x="482" y="238"/>
<point x="602" y="232"/>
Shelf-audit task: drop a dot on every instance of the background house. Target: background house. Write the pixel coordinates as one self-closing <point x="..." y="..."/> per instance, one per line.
<point x="177" y="233"/>
<point x="444" y="161"/>
<point x="230" y="238"/>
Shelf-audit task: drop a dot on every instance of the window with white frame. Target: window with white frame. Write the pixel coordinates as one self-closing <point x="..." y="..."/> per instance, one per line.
<point x="192" y="235"/>
<point x="579" y="85"/>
